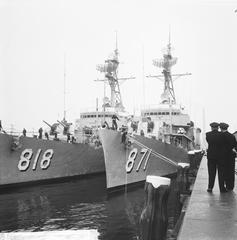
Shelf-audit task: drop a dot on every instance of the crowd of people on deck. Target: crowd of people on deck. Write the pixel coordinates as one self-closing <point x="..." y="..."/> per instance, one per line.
<point x="70" y="137"/>
<point x="221" y="153"/>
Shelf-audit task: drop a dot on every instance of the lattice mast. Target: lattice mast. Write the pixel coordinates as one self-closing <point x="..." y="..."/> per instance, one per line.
<point x="166" y="63"/>
<point x="110" y="69"/>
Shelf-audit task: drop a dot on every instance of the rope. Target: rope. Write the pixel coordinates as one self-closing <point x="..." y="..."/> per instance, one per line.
<point x="162" y="157"/>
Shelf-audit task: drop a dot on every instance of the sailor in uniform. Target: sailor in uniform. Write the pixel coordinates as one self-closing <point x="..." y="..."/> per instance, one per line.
<point x="114" y="123"/>
<point x="214" y="158"/>
<point x="228" y="155"/>
<point x="46" y="135"/>
<point x="40" y="133"/>
<point x="24" y="132"/>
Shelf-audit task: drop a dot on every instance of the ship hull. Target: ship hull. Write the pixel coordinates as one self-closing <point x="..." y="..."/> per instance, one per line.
<point x="145" y="156"/>
<point x="34" y="160"/>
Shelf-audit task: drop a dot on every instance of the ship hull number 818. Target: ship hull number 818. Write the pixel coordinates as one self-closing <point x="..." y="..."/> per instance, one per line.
<point x="26" y="156"/>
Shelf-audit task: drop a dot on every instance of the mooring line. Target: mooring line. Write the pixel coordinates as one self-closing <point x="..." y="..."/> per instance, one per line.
<point x="162" y="157"/>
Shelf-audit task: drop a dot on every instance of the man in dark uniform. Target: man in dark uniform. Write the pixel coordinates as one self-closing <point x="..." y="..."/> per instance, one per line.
<point x="114" y="123"/>
<point x="228" y="155"/>
<point x="214" y="158"/>
<point x="24" y="132"/>
<point x="68" y="137"/>
<point x="46" y="135"/>
<point x="40" y="133"/>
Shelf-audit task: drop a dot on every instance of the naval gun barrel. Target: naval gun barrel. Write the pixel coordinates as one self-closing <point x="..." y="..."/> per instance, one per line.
<point x="61" y="123"/>
<point x="47" y="124"/>
<point x="53" y="127"/>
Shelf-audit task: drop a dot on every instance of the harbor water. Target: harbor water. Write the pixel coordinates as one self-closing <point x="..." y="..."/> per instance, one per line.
<point x="73" y="205"/>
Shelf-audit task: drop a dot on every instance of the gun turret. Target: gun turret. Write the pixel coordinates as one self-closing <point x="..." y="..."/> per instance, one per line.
<point x="52" y="127"/>
<point x="65" y="126"/>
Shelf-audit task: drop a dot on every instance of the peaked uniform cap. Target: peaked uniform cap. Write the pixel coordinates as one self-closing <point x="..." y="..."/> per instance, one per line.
<point x="224" y="125"/>
<point x="214" y="124"/>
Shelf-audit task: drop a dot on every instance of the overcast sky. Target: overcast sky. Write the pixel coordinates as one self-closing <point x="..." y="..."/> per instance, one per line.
<point x="35" y="35"/>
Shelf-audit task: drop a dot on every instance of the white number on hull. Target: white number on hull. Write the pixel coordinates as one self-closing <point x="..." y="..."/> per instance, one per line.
<point x="132" y="156"/>
<point x="24" y="162"/>
<point x="131" y="159"/>
<point x="36" y="159"/>
<point x="26" y="156"/>
<point x="45" y="162"/>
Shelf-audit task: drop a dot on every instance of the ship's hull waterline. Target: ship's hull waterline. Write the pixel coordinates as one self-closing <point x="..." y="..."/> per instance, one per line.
<point x="34" y="160"/>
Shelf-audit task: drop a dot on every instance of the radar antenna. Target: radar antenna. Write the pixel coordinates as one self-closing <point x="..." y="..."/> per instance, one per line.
<point x="110" y="68"/>
<point x="167" y="62"/>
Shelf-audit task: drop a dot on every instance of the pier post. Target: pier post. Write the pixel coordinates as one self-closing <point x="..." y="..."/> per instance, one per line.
<point x="154" y="217"/>
<point x="182" y="177"/>
<point x="178" y="188"/>
<point x="198" y="156"/>
<point x="191" y="158"/>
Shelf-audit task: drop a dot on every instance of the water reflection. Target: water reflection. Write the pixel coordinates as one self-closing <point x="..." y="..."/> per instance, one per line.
<point x="79" y="204"/>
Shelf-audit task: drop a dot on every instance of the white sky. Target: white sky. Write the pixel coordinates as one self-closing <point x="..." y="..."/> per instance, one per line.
<point x="35" y="34"/>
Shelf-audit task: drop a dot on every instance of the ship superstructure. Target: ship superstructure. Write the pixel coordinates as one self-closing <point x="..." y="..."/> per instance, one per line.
<point x="92" y="120"/>
<point x="155" y="142"/>
<point x="169" y="122"/>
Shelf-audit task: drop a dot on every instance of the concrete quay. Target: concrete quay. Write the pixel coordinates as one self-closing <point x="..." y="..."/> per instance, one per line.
<point x="209" y="215"/>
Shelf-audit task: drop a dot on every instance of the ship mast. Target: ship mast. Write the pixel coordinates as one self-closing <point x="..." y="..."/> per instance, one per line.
<point x="110" y="69"/>
<point x="64" y="89"/>
<point x="166" y="63"/>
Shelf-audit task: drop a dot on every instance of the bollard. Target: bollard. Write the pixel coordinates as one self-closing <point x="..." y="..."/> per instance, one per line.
<point x="191" y="158"/>
<point x="154" y="217"/>
<point x="182" y="178"/>
<point x="174" y="204"/>
<point x="179" y="187"/>
<point x="198" y="156"/>
<point x="192" y="162"/>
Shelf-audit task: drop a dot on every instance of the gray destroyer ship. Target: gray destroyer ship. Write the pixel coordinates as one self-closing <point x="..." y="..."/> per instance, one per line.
<point x="25" y="159"/>
<point x="154" y="142"/>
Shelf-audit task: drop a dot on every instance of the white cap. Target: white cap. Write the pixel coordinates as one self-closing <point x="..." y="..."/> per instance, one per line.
<point x="197" y="150"/>
<point x="183" y="165"/>
<point x="156" y="181"/>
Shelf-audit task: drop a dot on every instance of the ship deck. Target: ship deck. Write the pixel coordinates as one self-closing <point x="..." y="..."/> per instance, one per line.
<point x="209" y="215"/>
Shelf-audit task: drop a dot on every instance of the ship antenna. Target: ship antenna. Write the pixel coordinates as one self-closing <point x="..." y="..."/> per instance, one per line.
<point x="143" y="80"/>
<point x="110" y="69"/>
<point x="169" y="44"/>
<point x="166" y="63"/>
<point x="64" y="89"/>
<point x="116" y="47"/>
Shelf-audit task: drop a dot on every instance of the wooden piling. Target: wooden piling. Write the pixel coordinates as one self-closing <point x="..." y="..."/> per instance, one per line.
<point x="154" y="217"/>
<point x="178" y="188"/>
<point x="198" y="156"/>
<point x="191" y="158"/>
<point x="182" y="178"/>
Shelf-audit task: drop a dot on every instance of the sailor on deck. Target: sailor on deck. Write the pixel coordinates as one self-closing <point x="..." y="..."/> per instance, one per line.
<point x="114" y="123"/>
<point x="68" y="137"/>
<point x="46" y="135"/>
<point x="214" y="160"/>
<point x="40" y="133"/>
<point x="228" y="155"/>
<point x="24" y="132"/>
